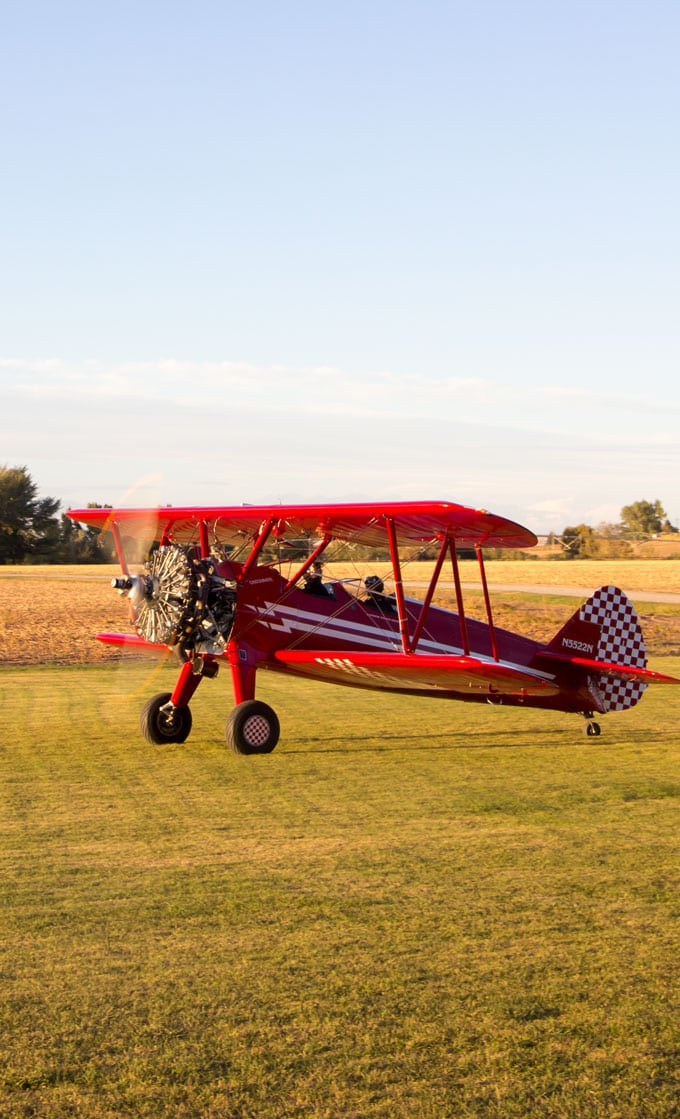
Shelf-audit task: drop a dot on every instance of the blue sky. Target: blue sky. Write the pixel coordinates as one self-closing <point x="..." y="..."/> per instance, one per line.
<point x="306" y="251"/>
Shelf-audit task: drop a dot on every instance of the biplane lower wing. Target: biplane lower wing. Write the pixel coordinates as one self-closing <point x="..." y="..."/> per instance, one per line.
<point x="131" y="641"/>
<point x="451" y="674"/>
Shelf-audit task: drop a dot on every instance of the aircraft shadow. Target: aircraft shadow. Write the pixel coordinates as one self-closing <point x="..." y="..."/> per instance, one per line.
<point x="414" y="742"/>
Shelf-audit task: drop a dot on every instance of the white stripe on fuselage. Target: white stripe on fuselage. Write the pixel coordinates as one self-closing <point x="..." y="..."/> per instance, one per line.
<point x="302" y="623"/>
<point x="308" y="623"/>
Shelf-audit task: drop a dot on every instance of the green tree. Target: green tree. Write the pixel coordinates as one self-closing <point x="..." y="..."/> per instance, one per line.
<point x="28" y="524"/>
<point x="645" y="518"/>
<point x="80" y="544"/>
<point x="579" y="542"/>
<point x="611" y="543"/>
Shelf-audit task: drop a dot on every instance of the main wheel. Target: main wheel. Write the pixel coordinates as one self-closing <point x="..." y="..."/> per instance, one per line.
<point x="252" y="728"/>
<point x="161" y="723"/>
<point x="593" y="730"/>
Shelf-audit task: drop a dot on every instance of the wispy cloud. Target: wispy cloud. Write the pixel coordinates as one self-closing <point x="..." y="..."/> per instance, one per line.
<point x="327" y="390"/>
<point x="229" y="431"/>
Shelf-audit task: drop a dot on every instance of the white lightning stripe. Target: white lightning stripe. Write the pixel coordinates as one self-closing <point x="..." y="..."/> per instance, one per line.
<point x="289" y="620"/>
<point x="373" y="638"/>
<point x="363" y="634"/>
<point x="334" y="624"/>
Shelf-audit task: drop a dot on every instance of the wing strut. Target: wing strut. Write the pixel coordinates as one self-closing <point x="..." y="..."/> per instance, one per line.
<point x="409" y="643"/>
<point x="459" y="599"/>
<point x="120" y="551"/>
<point x="203" y="536"/>
<point x="430" y="594"/>
<point x="166" y="535"/>
<point x="258" y="544"/>
<point x="398" y="585"/>
<point x="309" y="561"/>
<point x="487" y="601"/>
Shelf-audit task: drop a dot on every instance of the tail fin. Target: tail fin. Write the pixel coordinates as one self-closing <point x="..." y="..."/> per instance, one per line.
<point x="606" y="628"/>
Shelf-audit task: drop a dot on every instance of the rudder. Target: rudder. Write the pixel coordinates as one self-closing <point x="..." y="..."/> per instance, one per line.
<point x="606" y="628"/>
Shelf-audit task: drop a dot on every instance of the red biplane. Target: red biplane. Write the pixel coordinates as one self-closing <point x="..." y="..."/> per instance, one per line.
<point x="213" y="589"/>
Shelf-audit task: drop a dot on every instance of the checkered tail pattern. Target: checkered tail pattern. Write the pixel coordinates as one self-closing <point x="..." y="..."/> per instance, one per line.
<point x="621" y="642"/>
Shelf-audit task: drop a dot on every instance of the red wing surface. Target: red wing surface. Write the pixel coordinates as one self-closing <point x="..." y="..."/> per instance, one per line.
<point x="415" y="523"/>
<point x="422" y="672"/>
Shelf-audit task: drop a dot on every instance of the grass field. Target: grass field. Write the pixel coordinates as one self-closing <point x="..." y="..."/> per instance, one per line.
<point x="411" y="909"/>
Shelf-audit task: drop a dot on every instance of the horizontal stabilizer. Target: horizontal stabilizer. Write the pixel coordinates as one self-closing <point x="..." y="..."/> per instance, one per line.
<point x="455" y="675"/>
<point x="622" y="671"/>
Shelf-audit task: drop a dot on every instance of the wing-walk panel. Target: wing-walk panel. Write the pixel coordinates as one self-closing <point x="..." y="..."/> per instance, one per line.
<point x="419" y="672"/>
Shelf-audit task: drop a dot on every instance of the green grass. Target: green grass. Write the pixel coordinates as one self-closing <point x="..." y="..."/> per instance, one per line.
<point x="413" y="908"/>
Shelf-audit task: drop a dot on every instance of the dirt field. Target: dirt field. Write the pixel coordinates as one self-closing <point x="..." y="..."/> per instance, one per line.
<point x="52" y="614"/>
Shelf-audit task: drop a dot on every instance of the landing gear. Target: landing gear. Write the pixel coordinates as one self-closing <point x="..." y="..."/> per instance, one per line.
<point x="591" y="729"/>
<point x="252" y="728"/>
<point x="161" y="722"/>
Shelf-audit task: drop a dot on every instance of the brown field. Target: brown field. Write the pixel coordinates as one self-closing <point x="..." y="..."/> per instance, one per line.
<point x="51" y="614"/>
<point x="630" y="575"/>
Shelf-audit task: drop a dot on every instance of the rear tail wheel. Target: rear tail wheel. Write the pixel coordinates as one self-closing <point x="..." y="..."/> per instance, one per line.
<point x="252" y="728"/>
<point x="161" y="722"/>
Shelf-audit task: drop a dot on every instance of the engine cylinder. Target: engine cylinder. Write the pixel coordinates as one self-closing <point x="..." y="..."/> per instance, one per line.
<point x="180" y="600"/>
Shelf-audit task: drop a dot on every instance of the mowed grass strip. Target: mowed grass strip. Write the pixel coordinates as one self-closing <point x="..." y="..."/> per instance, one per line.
<point x="411" y="908"/>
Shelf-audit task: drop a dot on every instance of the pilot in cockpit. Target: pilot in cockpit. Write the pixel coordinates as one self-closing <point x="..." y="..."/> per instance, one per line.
<point x="375" y="595"/>
<point x="314" y="583"/>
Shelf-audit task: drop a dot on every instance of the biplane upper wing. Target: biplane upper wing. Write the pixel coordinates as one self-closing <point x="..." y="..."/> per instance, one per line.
<point x="414" y="523"/>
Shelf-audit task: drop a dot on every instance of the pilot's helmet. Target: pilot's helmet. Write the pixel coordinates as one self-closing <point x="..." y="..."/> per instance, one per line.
<point x="375" y="584"/>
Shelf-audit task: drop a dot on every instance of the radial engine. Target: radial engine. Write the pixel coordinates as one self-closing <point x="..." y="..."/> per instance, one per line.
<point x="181" y="601"/>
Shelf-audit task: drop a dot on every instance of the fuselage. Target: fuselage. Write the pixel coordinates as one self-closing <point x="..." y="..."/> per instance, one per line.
<point x="336" y="619"/>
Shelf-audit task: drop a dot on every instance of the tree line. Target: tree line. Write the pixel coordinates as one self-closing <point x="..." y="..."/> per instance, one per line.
<point x="33" y="530"/>
<point x="640" y="520"/>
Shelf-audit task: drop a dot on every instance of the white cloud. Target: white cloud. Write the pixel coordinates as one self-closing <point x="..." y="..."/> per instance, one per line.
<point x="226" y="432"/>
<point x="325" y="390"/>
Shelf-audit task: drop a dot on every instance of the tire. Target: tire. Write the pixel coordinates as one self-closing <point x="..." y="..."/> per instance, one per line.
<point x="252" y="728"/>
<point x="593" y="730"/>
<point x="161" y="727"/>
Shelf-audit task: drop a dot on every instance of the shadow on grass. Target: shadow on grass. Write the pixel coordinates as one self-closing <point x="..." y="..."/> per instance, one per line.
<point x="506" y="741"/>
